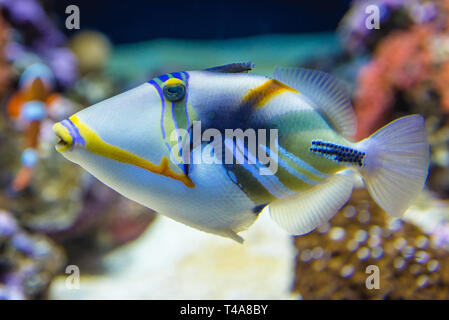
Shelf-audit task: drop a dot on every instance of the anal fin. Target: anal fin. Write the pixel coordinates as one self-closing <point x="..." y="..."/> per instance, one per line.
<point x="303" y="213"/>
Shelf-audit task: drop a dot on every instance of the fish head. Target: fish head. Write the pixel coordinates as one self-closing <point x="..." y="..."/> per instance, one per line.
<point x="122" y="128"/>
<point x="153" y="121"/>
<point x="121" y="136"/>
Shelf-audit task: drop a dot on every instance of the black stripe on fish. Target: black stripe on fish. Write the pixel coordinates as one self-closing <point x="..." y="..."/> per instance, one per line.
<point x="338" y="153"/>
<point x="258" y="209"/>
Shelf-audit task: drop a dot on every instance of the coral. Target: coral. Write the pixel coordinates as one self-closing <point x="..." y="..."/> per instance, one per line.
<point x="401" y="62"/>
<point x="39" y="36"/>
<point x="28" y="262"/>
<point x="394" y="15"/>
<point x="104" y="213"/>
<point x="72" y="209"/>
<point x="407" y="72"/>
<point x="332" y="261"/>
<point x="50" y="198"/>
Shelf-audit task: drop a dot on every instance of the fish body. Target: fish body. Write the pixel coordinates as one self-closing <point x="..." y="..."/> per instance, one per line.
<point x="212" y="148"/>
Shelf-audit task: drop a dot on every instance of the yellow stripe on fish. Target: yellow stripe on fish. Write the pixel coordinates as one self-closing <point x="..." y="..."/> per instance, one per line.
<point x="96" y="145"/>
<point x="260" y="95"/>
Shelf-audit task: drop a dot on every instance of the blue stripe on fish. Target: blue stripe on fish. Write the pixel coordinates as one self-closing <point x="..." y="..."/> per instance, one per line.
<point x="289" y="168"/>
<point x="186" y="99"/>
<point x="177" y="75"/>
<point x="176" y="125"/>
<point x="270" y="182"/>
<point x="163" y="77"/>
<point x="74" y="133"/>
<point x="158" y="83"/>
<point x="295" y="173"/>
<point x="276" y="188"/>
<point x="171" y="154"/>
<point x="232" y="176"/>
<point x="187" y="76"/>
<point x="301" y="163"/>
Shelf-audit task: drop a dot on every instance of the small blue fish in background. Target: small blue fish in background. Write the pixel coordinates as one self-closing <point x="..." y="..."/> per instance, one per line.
<point x="141" y="143"/>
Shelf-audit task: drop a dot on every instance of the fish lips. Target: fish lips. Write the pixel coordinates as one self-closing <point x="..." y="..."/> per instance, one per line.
<point x="68" y="135"/>
<point x="65" y="139"/>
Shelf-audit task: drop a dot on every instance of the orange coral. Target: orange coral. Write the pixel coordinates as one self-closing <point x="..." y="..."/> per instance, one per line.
<point x="372" y="97"/>
<point x="401" y="61"/>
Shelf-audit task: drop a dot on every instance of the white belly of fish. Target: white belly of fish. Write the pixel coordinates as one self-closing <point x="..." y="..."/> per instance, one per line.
<point x="214" y="205"/>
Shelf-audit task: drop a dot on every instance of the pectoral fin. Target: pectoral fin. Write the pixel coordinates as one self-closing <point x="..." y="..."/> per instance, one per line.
<point x="303" y="213"/>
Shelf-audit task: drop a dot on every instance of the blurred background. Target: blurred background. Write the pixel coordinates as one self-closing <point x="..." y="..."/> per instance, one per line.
<point x="65" y="235"/>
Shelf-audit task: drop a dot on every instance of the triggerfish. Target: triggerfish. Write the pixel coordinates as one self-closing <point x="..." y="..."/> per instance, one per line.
<point x="213" y="148"/>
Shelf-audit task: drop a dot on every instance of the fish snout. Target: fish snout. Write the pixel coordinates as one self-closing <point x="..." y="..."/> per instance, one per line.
<point x="65" y="139"/>
<point x="68" y="135"/>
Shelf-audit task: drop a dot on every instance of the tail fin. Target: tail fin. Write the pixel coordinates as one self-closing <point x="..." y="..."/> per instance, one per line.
<point x="396" y="164"/>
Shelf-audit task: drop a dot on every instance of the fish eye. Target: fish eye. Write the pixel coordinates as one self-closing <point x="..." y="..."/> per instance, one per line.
<point x="175" y="92"/>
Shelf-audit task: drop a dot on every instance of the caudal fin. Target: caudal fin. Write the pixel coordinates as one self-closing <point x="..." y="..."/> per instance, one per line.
<point x="396" y="164"/>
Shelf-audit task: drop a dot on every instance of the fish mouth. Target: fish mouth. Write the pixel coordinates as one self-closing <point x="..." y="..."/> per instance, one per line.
<point x="65" y="139"/>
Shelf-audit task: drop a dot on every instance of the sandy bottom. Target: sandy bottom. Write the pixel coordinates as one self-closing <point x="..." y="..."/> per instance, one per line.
<point x="173" y="261"/>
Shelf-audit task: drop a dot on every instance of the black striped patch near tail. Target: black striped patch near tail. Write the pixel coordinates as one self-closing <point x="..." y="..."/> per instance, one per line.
<point x="338" y="153"/>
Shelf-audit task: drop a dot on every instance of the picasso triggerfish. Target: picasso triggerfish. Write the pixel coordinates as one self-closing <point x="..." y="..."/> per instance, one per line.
<point x="213" y="148"/>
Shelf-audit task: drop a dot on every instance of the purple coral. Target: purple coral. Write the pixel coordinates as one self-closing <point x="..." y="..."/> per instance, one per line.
<point x="441" y="236"/>
<point x="23" y="243"/>
<point x="38" y="30"/>
<point x="28" y="261"/>
<point x="8" y="225"/>
<point x="357" y="37"/>
<point x="40" y="36"/>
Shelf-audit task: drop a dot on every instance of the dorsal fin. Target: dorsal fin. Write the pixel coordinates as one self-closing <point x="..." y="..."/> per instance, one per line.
<point x="237" y="67"/>
<point x="327" y="93"/>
